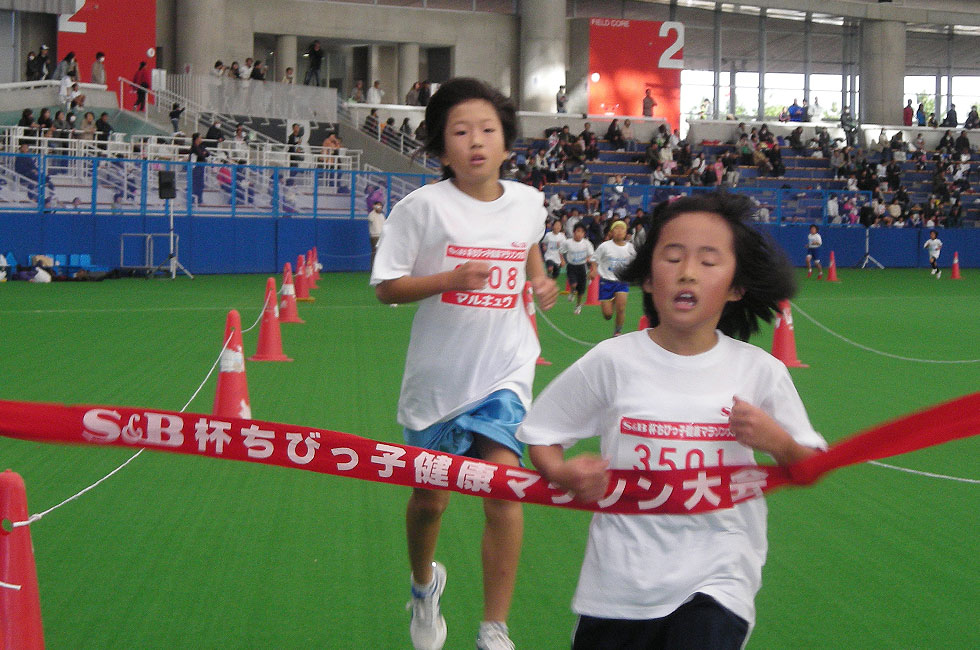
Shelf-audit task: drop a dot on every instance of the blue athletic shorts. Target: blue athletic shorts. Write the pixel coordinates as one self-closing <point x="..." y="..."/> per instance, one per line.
<point x="609" y="288"/>
<point x="814" y="253"/>
<point x="496" y="417"/>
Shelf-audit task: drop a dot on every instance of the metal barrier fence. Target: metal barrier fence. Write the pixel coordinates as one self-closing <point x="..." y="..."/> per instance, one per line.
<point x="86" y="185"/>
<point x="777" y="206"/>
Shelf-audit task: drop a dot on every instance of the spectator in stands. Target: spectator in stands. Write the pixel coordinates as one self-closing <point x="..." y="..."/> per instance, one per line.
<point x="897" y="146"/>
<point x="357" y="94"/>
<point x="761" y="161"/>
<point x="45" y="123"/>
<point x="86" y="128"/>
<point x="585" y="195"/>
<point x="374" y="94"/>
<point x="849" y="126"/>
<point x="61" y="127"/>
<point x="796" y="141"/>
<point x="775" y="156"/>
<point x="783" y="115"/>
<point x="295" y="142"/>
<point x="389" y="135"/>
<point x="198" y="154"/>
<point x="795" y="112"/>
<point x="214" y="135"/>
<point x="42" y="64"/>
<point x="234" y="70"/>
<point x="972" y="120"/>
<point x="590" y="141"/>
<point x="729" y="162"/>
<point x="652" y="155"/>
<point x="314" y="55"/>
<point x="649" y="103"/>
<point x="75" y="97"/>
<point x="806" y="115"/>
<point x="421" y="132"/>
<point x="561" y="100"/>
<point x="710" y="177"/>
<point x="288" y="77"/>
<point x="258" y="71"/>
<point x="26" y="165"/>
<point x="375" y="194"/>
<point x="920" y="115"/>
<point x="659" y="176"/>
<point x="219" y="69"/>
<point x="371" y="123"/>
<point x="30" y="66"/>
<point x="175" y="113"/>
<point x="412" y="96"/>
<point x="246" y="70"/>
<point x="962" y="145"/>
<point x="908" y="113"/>
<point x="919" y="143"/>
<point x="629" y="138"/>
<point x="951" y="119"/>
<point x="893" y="175"/>
<point x="239" y="143"/>
<point x="142" y="82"/>
<point x="615" y="136"/>
<point x="65" y="67"/>
<point x="98" y="68"/>
<point x="946" y="143"/>
<point x="833" y="209"/>
<point x="931" y="122"/>
<point x="27" y="121"/>
<point x="425" y="92"/>
<point x="103" y="130"/>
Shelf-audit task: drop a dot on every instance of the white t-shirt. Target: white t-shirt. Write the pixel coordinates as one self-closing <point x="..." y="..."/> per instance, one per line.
<point x="376" y="222"/>
<point x="646" y="566"/>
<point x="610" y="258"/>
<point x="814" y="240"/>
<point x="933" y="246"/>
<point x="552" y="243"/>
<point x="577" y="252"/>
<point x="464" y="344"/>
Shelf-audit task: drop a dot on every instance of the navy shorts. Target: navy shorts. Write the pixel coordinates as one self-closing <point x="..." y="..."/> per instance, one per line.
<point x="609" y="288"/>
<point x="814" y="253"/>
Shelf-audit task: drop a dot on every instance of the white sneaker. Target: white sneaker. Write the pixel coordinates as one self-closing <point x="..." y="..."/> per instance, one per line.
<point x="428" y="627"/>
<point x="932" y="272"/>
<point x="939" y="274"/>
<point x="493" y="636"/>
<point x="578" y="310"/>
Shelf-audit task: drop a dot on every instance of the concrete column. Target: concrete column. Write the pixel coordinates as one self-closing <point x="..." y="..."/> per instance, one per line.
<point x="286" y="57"/>
<point x="200" y="31"/>
<point x="408" y="69"/>
<point x="883" y="71"/>
<point x="543" y="39"/>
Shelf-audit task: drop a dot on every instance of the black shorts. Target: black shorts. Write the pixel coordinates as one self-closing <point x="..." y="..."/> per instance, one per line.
<point x="700" y="623"/>
<point x="553" y="268"/>
<point x="577" y="275"/>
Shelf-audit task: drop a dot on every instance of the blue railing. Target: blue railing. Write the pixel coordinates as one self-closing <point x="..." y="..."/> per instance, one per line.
<point x="85" y="185"/>
<point x="779" y="206"/>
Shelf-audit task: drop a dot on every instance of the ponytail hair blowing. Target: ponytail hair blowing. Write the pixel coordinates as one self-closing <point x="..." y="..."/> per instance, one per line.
<point x="456" y="91"/>
<point x="762" y="271"/>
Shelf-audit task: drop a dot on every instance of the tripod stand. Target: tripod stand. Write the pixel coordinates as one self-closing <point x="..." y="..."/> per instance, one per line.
<point x="168" y="192"/>
<point x="867" y="259"/>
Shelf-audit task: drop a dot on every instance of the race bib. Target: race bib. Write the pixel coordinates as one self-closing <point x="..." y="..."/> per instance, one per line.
<point x="503" y="288"/>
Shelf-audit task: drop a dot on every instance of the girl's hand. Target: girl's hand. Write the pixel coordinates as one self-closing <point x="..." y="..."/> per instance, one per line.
<point x="756" y="429"/>
<point x="545" y="290"/>
<point x="470" y="276"/>
<point x="586" y="477"/>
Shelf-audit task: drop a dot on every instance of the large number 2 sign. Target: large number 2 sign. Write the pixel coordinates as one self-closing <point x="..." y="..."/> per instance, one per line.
<point x="667" y="59"/>
<point x="66" y="24"/>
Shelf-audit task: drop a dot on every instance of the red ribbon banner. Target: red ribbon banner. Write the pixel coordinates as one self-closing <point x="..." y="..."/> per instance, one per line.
<point x="681" y="491"/>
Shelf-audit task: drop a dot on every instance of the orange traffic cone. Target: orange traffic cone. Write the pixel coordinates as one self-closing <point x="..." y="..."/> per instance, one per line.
<point x="832" y="269"/>
<point x="592" y="296"/>
<point x="783" y="339"/>
<point x="955" y="273"/>
<point x="231" y="396"/>
<point x="316" y="264"/>
<point x="310" y="275"/>
<point x="20" y="600"/>
<point x="287" y="306"/>
<point x="302" y="285"/>
<point x="270" y="336"/>
<point x="644" y="323"/>
<point x="529" y="308"/>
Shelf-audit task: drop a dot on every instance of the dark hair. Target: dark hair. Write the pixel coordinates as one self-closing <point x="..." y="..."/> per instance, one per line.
<point x="456" y="91"/>
<point x="578" y="226"/>
<point x="762" y="271"/>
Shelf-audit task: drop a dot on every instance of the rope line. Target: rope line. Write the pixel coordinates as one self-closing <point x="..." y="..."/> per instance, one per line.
<point x="567" y="336"/>
<point x="261" y="314"/>
<point x="7" y="585"/>
<point x="921" y="473"/>
<point x="872" y="350"/>
<point x="38" y="516"/>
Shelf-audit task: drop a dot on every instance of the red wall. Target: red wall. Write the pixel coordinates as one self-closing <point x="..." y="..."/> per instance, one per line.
<point x="123" y="29"/>
<point x="631" y="56"/>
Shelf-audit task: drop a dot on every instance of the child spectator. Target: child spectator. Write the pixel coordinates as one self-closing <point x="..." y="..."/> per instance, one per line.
<point x="650" y="581"/>
<point x="469" y="401"/>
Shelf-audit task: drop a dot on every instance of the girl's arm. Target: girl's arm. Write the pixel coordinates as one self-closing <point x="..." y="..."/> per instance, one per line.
<point x="755" y="428"/>
<point x="585" y="476"/>
<point x="544" y="287"/>
<point x="469" y="276"/>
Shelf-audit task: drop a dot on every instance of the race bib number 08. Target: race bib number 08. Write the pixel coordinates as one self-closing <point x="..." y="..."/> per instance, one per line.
<point x="503" y="288"/>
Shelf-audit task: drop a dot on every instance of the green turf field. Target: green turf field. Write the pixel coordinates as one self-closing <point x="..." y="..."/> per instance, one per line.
<point x="184" y="552"/>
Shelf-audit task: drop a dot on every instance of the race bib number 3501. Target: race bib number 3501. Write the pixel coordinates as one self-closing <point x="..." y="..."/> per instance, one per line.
<point x="503" y="288"/>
